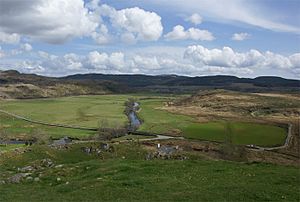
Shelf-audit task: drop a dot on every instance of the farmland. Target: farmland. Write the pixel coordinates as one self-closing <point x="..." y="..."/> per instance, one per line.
<point x="108" y="111"/>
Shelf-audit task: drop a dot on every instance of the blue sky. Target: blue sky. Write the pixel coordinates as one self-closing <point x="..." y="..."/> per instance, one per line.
<point x="191" y="37"/>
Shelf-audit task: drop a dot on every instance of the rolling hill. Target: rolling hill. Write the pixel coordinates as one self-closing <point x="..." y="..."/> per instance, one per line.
<point x="17" y="85"/>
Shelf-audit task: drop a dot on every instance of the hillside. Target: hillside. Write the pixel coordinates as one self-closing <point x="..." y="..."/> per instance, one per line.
<point x="124" y="175"/>
<point x="17" y="85"/>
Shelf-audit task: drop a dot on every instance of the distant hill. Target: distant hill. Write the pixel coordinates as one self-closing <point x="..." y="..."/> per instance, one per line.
<point x="147" y="80"/>
<point x="17" y="85"/>
<point x="266" y="83"/>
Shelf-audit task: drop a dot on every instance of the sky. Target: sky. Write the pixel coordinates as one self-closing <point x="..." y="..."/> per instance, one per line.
<point x="244" y="38"/>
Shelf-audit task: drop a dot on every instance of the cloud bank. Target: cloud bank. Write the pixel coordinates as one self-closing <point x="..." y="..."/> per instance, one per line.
<point x="196" y="60"/>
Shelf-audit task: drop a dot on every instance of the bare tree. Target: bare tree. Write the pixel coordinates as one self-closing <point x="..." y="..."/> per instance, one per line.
<point x="229" y="150"/>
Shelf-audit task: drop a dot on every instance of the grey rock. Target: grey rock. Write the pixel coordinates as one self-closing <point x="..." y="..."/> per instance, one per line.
<point x="26" y="169"/>
<point x="17" y="178"/>
<point x="166" y="150"/>
<point x="47" y="163"/>
<point x="29" y="178"/>
<point x="104" y="146"/>
<point x="36" y="179"/>
<point x="59" y="166"/>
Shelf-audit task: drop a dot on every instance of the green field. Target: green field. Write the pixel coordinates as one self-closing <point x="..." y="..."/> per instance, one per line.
<point x="125" y="176"/>
<point x="19" y="128"/>
<point x="160" y="121"/>
<point x="86" y="111"/>
<point x="240" y="133"/>
<point x="90" y="111"/>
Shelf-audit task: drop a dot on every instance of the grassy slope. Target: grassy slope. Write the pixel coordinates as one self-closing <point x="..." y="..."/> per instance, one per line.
<point x="134" y="179"/>
<point x="10" y="147"/>
<point x="160" y="121"/>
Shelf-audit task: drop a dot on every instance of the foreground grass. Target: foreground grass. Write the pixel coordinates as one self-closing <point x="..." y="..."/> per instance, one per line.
<point x="125" y="176"/>
<point x="160" y="121"/>
<point x="10" y="147"/>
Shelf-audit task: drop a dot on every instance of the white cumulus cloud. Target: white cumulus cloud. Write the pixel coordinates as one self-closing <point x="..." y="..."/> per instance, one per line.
<point x="178" y="33"/>
<point x="101" y="36"/>
<point x="196" y="19"/>
<point x="9" y="38"/>
<point x="26" y="47"/>
<point x="103" y="61"/>
<point x="144" y="25"/>
<point x="227" y="57"/>
<point x="52" y="21"/>
<point x="240" y="36"/>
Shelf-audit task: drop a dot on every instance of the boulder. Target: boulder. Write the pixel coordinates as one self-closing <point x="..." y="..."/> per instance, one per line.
<point x="47" y="163"/>
<point x="26" y="169"/>
<point x="17" y="178"/>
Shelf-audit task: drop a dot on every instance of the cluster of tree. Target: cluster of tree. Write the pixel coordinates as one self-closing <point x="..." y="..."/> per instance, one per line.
<point x="108" y="131"/>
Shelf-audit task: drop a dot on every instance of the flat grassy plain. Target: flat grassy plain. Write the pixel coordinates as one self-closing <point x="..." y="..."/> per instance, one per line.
<point x="84" y="111"/>
<point x="124" y="175"/>
<point x="90" y="111"/>
<point x="21" y="129"/>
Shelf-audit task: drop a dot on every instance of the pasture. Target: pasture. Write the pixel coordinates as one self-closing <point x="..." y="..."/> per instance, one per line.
<point x="83" y="111"/>
<point x="108" y="111"/>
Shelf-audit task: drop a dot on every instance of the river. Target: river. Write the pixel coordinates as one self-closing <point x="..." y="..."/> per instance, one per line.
<point x="134" y="120"/>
